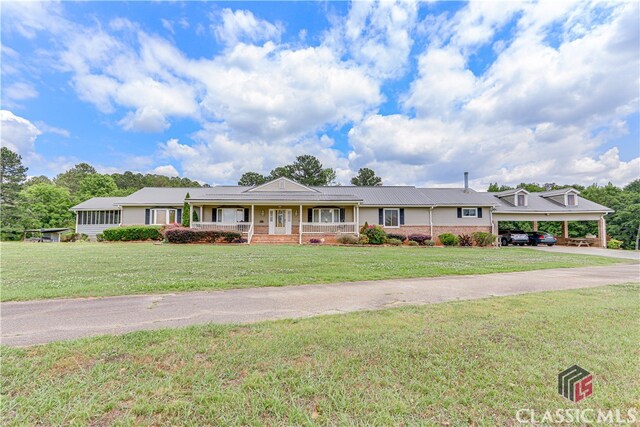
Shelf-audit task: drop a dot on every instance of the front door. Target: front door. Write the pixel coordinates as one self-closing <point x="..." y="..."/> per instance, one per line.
<point x="279" y="221"/>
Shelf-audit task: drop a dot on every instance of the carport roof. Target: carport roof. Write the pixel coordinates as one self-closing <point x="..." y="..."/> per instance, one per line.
<point x="538" y="203"/>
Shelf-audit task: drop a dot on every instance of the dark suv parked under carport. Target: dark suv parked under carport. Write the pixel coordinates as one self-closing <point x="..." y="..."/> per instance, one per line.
<point x="538" y="238"/>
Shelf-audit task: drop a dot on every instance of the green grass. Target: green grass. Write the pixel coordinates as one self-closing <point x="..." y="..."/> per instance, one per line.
<point x="474" y="362"/>
<point x="36" y="271"/>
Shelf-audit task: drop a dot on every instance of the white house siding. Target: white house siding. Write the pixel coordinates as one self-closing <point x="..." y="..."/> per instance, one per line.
<point x="93" y="229"/>
<point x="412" y="216"/>
<point x="449" y="217"/>
<point x="133" y="215"/>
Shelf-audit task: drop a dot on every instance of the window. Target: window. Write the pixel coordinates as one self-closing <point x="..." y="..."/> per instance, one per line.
<point x="392" y="217"/>
<point x="571" y="199"/>
<point x="163" y="216"/>
<point x="98" y="217"/>
<point x="326" y="215"/>
<point x="230" y="215"/>
<point x="469" y="212"/>
<point x="521" y="200"/>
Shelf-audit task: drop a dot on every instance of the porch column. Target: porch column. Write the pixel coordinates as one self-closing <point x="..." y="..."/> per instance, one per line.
<point x="535" y="225"/>
<point x="357" y="220"/>
<point x="190" y="216"/>
<point x="300" y="226"/>
<point x="565" y="229"/>
<point x="253" y="221"/>
<point x="201" y="218"/>
<point x="602" y="231"/>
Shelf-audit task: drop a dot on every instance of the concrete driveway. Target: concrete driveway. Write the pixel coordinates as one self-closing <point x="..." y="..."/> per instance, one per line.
<point x="611" y="253"/>
<point x="37" y="322"/>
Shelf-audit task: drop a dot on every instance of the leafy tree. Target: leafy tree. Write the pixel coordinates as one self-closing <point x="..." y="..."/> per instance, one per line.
<point x="366" y="178"/>
<point x="46" y="205"/>
<point x="38" y="180"/>
<point x="96" y="185"/>
<point x="495" y="188"/>
<point x="281" y="171"/>
<point x="308" y="170"/>
<point x="71" y="179"/>
<point x="186" y="211"/>
<point x="12" y="176"/>
<point x="252" y="178"/>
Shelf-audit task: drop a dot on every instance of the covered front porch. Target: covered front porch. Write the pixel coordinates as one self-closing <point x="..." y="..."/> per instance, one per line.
<point x="270" y="223"/>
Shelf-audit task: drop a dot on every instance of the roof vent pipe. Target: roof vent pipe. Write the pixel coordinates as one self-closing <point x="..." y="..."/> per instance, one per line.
<point x="466" y="181"/>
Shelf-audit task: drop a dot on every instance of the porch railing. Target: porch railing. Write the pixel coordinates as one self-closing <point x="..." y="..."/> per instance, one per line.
<point x="328" y="227"/>
<point x="240" y="227"/>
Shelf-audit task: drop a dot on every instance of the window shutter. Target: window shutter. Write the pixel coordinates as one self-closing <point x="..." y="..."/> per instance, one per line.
<point x="246" y="215"/>
<point x="459" y="212"/>
<point x="401" y="216"/>
<point x="309" y="215"/>
<point x="381" y="216"/>
<point x="179" y="216"/>
<point x="147" y="216"/>
<point x="479" y="212"/>
<point x="214" y="215"/>
<point x="342" y="214"/>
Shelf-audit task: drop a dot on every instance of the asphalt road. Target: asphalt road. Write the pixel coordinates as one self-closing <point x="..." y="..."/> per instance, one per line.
<point x="37" y="322"/>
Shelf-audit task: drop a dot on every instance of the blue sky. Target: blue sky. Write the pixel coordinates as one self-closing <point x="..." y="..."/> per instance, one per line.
<point x="419" y="92"/>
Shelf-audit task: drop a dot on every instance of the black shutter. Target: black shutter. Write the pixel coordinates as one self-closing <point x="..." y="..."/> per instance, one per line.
<point x="246" y="215"/>
<point x="214" y="215"/>
<point x="310" y="215"/>
<point x="401" y="216"/>
<point x="479" y="212"/>
<point x="147" y="216"/>
<point x="342" y="214"/>
<point x="179" y="216"/>
<point x="459" y="212"/>
<point x="381" y="216"/>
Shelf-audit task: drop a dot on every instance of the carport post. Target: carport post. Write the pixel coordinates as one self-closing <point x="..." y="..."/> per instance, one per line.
<point x="565" y="229"/>
<point x="535" y="225"/>
<point x="602" y="231"/>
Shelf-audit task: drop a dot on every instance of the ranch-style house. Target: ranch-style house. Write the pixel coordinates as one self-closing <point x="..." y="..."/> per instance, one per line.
<point x="284" y="211"/>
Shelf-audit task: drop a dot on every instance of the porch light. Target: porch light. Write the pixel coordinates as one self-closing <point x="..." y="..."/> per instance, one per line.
<point x="262" y="212"/>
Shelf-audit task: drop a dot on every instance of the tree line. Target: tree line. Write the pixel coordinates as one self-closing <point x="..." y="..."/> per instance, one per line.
<point x="623" y="224"/>
<point x="41" y="202"/>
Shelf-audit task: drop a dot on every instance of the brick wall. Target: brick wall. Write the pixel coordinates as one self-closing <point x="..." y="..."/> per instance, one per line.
<point x="328" y="238"/>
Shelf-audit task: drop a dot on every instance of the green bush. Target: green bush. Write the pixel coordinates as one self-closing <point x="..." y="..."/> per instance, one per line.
<point x="413" y="243"/>
<point x="347" y="239"/>
<point x="448" y="239"/>
<point x="394" y="242"/>
<point x="614" y="244"/>
<point x="429" y="243"/>
<point x="100" y="237"/>
<point x="482" y="238"/>
<point x="132" y="233"/>
<point x="376" y="235"/>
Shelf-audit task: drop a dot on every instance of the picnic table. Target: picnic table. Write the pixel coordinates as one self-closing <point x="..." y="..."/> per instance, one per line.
<point x="578" y="241"/>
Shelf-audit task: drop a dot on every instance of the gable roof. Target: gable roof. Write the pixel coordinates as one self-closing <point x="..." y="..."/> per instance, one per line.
<point x="559" y="192"/>
<point x="513" y="191"/>
<point x="540" y="203"/>
<point x="281" y="183"/>
<point x="98" y="203"/>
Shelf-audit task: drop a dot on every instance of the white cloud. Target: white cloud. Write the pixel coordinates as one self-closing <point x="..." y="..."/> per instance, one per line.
<point x="19" y="91"/>
<point x="18" y="134"/>
<point x="242" y="26"/>
<point x="166" y="170"/>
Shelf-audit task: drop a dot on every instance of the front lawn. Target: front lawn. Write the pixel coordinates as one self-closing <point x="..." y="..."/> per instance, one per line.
<point x="460" y="363"/>
<point x="34" y="271"/>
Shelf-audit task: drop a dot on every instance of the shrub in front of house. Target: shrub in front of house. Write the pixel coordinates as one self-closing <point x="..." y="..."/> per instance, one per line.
<point x="188" y="235"/>
<point x="376" y="235"/>
<point x="347" y="239"/>
<point x="132" y="233"/>
<point x="465" y="240"/>
<point x="482" y="238"/>
<point x="315" y="241"/>
<point x="413" y="243"/>
<point x="419" y="238"/>
<point x="400" y="237"/>
<point x="614" y="244"/>
<point x="363" y="240"/>
<point x="448" y="239"/>
<point x="394" y="242"/>
<point x="429" y="243"/>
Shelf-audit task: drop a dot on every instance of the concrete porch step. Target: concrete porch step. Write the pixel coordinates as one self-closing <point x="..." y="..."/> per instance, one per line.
<point x="275" y="238"/>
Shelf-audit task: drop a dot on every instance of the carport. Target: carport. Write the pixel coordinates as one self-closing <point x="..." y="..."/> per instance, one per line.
<point x="563" y="217"/>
